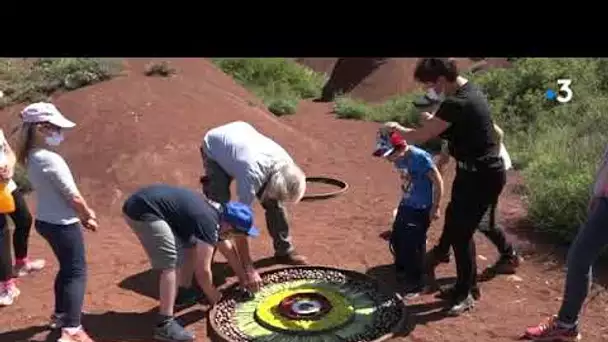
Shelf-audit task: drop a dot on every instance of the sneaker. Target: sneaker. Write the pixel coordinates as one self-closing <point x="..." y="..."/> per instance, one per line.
<point x="171" y="331"/>
<point x="413" y="290"/>
<point x="8" y="294"/>
<point x="79" y="336"/>
<point x="291" y="259"/>
<point x="187" y="297"/>
<point x="449" y="293"/>
<point x="552" y="330"/>
<point x="461" y="306"/>
<point x="506" y="264"/>
<point x="56" y="321"/>
<point x="22" y="269"/>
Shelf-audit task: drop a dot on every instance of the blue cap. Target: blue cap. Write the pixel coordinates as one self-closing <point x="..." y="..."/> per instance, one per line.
<point x="240" y="216"/>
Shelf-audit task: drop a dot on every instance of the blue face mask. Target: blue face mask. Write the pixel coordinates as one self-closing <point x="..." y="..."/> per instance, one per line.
<point x="433" y="95"/>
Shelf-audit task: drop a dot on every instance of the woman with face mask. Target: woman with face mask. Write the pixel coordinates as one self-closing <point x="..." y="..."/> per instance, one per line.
<point x="61" y="212"/>
<point x="464" y="119"/>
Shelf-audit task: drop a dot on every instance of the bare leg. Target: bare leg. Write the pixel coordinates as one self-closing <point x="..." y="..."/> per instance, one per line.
<point x="168" y="291"/>
<point x="185" y="272"/>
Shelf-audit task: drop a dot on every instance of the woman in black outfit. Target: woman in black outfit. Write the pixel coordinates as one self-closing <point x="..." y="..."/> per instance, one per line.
<point x="464" y="120"/>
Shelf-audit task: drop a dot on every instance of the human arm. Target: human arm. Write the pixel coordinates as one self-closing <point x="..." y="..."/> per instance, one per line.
<point x="242" y="247"/>
<point x="232" y="256"/>
<point x="437" y="180"/>
<point x="58" y="173"/>
<point x="7" y="171"/>
<point x="431" y="125"/>
<point x="499" y="133"/>
<point x="202" y="271"/>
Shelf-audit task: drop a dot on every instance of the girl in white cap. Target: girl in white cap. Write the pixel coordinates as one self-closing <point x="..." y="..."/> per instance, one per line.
<point x="61" y="212"/>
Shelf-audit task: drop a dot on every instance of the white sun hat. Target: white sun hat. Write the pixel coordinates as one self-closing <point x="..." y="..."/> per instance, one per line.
<point x="45" y="112"/>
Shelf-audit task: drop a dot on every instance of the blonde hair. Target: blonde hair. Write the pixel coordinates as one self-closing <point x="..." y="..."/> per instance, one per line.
<point x="287" y="184"/>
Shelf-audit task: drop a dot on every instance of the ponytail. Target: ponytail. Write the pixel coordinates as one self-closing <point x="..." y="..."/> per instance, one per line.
<point x="26" y="142"/>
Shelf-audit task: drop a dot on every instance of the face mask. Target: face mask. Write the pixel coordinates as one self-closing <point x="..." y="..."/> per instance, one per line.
<point x="432" y="94"/>
<point x="54" y="139"/>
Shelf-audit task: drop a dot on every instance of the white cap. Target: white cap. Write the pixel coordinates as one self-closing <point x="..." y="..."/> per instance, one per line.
<point x="45" y="112"/>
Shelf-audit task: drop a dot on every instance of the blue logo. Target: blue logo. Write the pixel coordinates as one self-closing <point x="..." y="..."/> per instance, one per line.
<point x="551" y="95"/>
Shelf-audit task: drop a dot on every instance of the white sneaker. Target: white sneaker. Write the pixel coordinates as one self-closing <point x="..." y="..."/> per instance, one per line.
<point x="29" y="267"/>
<point x="8" y="295"/>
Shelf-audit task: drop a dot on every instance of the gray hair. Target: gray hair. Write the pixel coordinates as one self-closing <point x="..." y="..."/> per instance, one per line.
<point x="287" y="184"/>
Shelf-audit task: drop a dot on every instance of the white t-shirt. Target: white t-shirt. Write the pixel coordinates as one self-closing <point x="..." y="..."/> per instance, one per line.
<point x="4" y="159"/>
<point x="505" y="156"/>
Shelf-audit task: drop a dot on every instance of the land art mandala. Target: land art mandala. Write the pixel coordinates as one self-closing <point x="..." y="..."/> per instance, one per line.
<point x="309" y="304"/>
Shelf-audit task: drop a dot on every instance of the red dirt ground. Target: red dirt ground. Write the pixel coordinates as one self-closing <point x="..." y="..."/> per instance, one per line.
<point x="135" y="130"/>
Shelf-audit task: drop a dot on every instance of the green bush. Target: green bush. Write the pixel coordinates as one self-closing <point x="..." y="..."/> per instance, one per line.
<point x="284" y="106"/>
<point x="279" y="82"/>
<point x="559" y="145"/>
<point x="28" y="81"/>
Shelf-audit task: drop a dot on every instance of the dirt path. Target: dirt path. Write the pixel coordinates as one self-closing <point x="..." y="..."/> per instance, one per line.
<point x="120" y="300"/>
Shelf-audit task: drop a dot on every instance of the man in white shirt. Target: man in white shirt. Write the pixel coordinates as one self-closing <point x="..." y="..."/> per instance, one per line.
<point x="262" y="169"/>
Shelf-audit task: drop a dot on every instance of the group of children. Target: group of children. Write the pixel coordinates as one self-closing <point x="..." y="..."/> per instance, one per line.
<point x="423" y="187"/>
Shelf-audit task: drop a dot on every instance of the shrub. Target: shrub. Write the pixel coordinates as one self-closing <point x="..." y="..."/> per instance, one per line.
<point x="279" y="82"/>
<point x="29" y="81"/>
<point x="283" y="106"/>
<point x="163" y="69"/>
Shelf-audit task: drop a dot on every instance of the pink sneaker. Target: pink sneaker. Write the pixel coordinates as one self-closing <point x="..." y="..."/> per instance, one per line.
<point x="8" y="293"/>
<point x="552" y="330"/>
<point x="26" y="266"/>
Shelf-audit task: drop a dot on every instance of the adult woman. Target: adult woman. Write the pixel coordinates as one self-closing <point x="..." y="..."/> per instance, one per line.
<point x="262" y="169"/>
<point x="463" y="119"/>
<point x="61" y="212"/>
<point x="590" y="241"/>
<point x="22" y="220"/>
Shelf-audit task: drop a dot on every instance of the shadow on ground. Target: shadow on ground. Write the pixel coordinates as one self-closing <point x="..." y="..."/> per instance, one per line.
<point x="107" y="326"/>
<point x="418" y="313"/>
<point x="146" y="283"/>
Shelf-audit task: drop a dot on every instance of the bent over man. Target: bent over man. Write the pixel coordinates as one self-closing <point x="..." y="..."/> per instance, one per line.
<point x="263" y="170"/>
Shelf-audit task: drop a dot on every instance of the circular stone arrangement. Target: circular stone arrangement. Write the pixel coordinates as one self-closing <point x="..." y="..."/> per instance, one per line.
<point x="307" y="303"/>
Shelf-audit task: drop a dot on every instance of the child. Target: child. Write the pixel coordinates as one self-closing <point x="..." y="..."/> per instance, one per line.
<point x="61" y="213"/>
<point x="179" y="230"/>
<point x="422" y="191"/>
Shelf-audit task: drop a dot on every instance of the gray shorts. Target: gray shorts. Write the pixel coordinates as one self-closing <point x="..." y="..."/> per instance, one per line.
<point x="164" y="249"/>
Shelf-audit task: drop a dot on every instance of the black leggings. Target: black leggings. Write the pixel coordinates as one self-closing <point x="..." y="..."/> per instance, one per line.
<point x="490" y="229"/>
<point x="473" y="193"/>
<point x="22" y="218"/>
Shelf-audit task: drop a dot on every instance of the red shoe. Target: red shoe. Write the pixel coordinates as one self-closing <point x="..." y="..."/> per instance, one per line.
<point x="552" y="330"/>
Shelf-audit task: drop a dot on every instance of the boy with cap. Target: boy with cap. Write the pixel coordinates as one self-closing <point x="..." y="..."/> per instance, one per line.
<point x="179" y="230"/>
<point x="422" y="192"/>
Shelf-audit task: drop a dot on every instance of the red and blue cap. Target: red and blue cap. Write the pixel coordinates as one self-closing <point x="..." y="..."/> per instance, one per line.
<point x="240" y="216"/>
<point x="387" y="143"/>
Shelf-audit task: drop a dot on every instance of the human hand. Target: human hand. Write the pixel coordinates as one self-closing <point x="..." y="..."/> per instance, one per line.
<point x="214" y="297"/>
<point x="435" y="214"/>
<point x="254" y="281"/>
<point x="426" y="116"/>
<point x="6" y="173"/>
<point x="390" y="127"/>
<point x="91" y="224"/>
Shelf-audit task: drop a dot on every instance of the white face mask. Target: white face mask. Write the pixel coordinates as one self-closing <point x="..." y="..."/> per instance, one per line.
<point x="54" y="139"/>
<point x="432" y="94"/>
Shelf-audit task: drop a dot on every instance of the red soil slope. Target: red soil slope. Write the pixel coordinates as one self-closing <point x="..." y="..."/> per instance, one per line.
<point x="375" y="82"/>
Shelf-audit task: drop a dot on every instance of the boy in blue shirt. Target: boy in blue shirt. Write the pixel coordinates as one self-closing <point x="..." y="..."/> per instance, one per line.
<point x="422" y="191"/>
